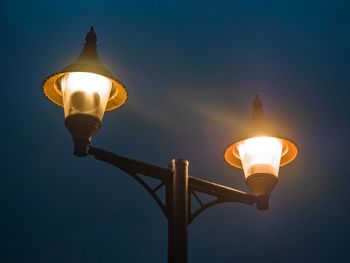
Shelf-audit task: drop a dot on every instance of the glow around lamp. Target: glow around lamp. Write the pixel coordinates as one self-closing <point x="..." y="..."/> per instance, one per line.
<point x="260" y="152"/>
<point x="85" y="89"/>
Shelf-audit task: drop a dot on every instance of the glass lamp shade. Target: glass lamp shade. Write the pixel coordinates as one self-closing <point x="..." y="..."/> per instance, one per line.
<point x="260" y="149"/>
<point x="85" y="93"/>
<point x="260" y="155"/>
<point x="85" y="86"/>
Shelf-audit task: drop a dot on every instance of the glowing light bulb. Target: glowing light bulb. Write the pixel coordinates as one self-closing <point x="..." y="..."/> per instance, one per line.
<point x="85" y="93"/>
<point x="261" y="155"/>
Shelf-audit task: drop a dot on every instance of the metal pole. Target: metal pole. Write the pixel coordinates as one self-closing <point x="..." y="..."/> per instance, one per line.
<point x="177" y="199"/>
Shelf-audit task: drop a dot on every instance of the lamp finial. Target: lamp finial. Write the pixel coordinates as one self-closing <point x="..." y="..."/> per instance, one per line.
<point x="258" y="111"/>
<point x="91" y="36"/>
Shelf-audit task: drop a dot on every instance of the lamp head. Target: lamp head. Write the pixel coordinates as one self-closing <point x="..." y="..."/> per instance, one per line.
<point x="85" y="89"/>
<point x="260" y="151"/>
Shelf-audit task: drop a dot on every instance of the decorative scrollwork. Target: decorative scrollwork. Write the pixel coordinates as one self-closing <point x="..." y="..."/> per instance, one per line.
<point x="150" y="190"/>
<point x="135" y="169"/>
<point x="202" y="205"/>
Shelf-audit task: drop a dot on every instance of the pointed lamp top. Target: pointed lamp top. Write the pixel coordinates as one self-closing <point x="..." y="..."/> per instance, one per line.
<point x="91" y="36"/>
<point x="258" y="114"/>
<point x="88" y="61"/>
<point x="89" y="53"/>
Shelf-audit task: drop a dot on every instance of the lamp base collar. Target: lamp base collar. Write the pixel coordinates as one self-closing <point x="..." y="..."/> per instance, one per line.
<point x="82" y="127"/>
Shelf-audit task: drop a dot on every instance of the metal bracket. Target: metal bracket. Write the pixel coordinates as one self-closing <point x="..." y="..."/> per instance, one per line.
<point x="221" y="194"/>
<point x="150" y="190"/>
<point x="203" y="206"/>
<point x="135" y="169"/>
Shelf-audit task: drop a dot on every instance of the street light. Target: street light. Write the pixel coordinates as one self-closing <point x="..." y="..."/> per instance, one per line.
<point x="260" y="151"/>
<point x="85" y="89"/>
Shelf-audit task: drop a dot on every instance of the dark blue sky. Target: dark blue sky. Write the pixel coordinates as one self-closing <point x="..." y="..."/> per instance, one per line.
<point x="192" y="69"/>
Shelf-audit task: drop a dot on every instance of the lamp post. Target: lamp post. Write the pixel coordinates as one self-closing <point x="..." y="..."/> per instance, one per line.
<point x="86" y="89"/>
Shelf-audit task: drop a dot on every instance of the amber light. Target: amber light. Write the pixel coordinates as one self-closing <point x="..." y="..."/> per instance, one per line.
<point x="260" y="152"/>
<point x="260" y="155"/>
<point x="260" y="149"/>
<point x="85" y="93"/>
<point x="85" y="86"/>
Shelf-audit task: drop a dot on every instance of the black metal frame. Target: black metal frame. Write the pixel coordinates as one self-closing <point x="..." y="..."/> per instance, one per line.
<point x="179" y="190"/>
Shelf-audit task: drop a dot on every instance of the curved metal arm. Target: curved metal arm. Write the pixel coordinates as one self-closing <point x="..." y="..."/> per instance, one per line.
<point x="128" y="164"/>
<point x="220" y="191"/>
<point x="222" y="194"/>
<point x="204" y="207"/>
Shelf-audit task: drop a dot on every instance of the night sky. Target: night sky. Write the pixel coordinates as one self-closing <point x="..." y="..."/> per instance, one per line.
<point x="192" y="69"/>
